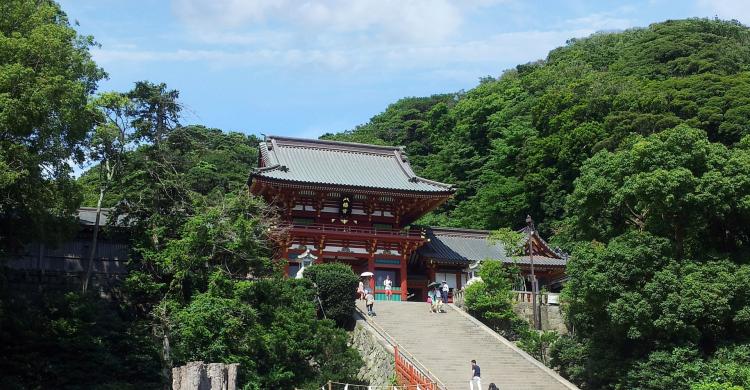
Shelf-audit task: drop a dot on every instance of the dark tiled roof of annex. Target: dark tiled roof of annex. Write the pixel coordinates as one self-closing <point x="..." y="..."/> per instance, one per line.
<point x="343" y="164"/>
<point x="464" y="246"/>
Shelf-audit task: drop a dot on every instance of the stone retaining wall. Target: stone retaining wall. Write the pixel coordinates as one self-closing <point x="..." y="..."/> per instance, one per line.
<point x="200" y="376"/>
<point x="552" y="316"/>
<point x="377" y="354"/>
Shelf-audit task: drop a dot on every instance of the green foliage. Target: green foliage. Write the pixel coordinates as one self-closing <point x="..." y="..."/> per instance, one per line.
<point x="510" y="239"/>
<point x="46" y="78"/>
<point x="270" y="327"/>
<point x="490" y="299"/>
<point x="66" y="341"/>
<point x="568" y="356"/>
<point x="336" y="285"/>
<point x="538" y="344"/>
<point x="675" y="184"/>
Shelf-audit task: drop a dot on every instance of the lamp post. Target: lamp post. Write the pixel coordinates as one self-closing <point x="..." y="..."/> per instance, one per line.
<point x="534" y="285"/>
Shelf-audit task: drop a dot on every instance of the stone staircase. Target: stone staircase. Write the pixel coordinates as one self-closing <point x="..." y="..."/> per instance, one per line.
<point x="445" y="343"/>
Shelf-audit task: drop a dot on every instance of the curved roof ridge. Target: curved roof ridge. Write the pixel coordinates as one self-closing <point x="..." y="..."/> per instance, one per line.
<point x="302" y="141"/>
<point x="441" y="229"/>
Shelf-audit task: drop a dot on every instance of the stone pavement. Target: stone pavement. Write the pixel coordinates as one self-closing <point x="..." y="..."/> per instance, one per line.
<point x="445" y="343"/>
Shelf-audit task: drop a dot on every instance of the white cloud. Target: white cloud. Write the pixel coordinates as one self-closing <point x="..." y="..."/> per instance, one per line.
<point x="445" y="60"/>
<point x="226" y="13"/>
<point x="423" y="37"/>
<point x="423" y="21"/>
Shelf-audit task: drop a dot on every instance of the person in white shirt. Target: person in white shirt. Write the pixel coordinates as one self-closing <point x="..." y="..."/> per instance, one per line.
<point x="369" y="301"/>
<point x="388" y="287"/>
<point x="361" y="290"/>
<point x="444" y="291"/>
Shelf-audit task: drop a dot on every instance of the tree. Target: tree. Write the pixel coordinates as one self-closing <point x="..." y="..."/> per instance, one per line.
<point x="270" y="327"/>
<point x="107" y="147"/>
<point x="336" y="285"/>
<point x="490" y="299"/>
<point x="155" y="110"/>
<point x="48" y="76"/>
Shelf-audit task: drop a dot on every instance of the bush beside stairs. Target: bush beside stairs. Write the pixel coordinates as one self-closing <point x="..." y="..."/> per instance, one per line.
<point x="445" y="343"/>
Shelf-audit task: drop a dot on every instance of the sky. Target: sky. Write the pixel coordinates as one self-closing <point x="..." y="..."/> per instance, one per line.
<point x="305" y="68"/>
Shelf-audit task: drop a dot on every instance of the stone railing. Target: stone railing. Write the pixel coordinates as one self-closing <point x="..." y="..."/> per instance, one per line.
<point x="546" y="298"/>
<point x="517" y="296"/>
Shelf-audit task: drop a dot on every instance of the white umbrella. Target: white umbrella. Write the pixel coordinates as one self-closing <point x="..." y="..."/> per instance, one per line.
<point x="368" y="273"/>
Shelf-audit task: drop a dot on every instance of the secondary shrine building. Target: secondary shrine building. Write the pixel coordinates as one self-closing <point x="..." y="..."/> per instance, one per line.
<point x="355" y="204"/>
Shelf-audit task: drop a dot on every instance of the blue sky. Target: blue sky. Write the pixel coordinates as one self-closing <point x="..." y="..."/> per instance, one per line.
<point x="304" y="68"/>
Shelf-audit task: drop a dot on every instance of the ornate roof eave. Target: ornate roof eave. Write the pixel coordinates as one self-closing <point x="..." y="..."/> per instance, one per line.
<point x="337" y="187"/>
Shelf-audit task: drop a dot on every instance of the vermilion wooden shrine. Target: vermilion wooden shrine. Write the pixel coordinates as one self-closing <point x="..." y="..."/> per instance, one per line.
<point x="354" y="203"/>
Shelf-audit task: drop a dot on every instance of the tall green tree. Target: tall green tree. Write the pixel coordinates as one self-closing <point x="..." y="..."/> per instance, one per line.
<point x="657" y="280"/>
<point x="46" y="79"/>
<point x="107" y="146"/>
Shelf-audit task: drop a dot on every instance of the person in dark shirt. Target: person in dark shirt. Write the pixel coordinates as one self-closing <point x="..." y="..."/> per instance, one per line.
<point x="476" y="379"/>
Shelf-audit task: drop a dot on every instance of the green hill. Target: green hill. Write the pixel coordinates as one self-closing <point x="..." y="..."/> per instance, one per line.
<point x="632" y="150"/>
<point x="515" y="145"/>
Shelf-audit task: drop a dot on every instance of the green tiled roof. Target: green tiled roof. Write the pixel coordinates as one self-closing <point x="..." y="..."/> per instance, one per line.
<point x="465" y="246"/>
<point x="341" y="164"/>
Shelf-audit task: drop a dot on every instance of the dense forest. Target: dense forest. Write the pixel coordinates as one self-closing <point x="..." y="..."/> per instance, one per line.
<point x="200" y="283"/>
<point x="632" y="150"/>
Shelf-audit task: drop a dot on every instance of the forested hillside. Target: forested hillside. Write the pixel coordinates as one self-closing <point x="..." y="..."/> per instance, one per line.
<point x="632" y="150"/>
<point x="514" y="145"/>
<point x="200" y="282"/>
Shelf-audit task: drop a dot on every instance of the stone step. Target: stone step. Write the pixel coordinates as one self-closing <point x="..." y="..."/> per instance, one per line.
<point x="446" y="342"/>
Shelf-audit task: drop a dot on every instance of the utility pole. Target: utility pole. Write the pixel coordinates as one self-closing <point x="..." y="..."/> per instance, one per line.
<point x="534" y="284"/>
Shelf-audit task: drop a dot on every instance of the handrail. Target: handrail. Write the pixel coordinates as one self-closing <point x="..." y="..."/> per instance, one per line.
<point x="399" y="349"/>
<point x="356" y="229"/>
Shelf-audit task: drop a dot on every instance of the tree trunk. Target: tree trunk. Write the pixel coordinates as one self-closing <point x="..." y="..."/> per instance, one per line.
<point x="166" y="360"/>
<point x="94" y="242"/>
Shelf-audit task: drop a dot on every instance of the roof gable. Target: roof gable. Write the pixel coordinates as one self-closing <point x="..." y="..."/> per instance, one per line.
<point x="465" y="246"/>
<point x="341" y="164"/>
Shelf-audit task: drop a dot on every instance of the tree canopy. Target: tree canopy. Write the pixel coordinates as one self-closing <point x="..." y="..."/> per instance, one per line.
<point x="46" y="79"/>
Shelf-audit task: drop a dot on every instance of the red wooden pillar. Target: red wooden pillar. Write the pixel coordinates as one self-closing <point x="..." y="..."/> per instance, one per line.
<point x="321" y="245"/>
<point x="458" y="280"/>
<point x="371" y="268"/>
<point x="285" y="259"/>
<point x="404" y="277"/>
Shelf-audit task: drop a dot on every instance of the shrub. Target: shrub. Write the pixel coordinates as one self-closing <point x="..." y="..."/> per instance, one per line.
<point x="490" y="300"/>
<point x="337" y="285"/>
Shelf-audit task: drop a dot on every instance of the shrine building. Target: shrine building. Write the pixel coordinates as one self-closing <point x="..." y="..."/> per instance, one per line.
<point x="355" y="204"/>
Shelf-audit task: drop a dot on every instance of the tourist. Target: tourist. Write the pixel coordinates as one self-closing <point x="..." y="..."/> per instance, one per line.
<point x="369" y="301"/>
<point x="438" y="300"/>
<point x="431" y="300"/>
<point x="361" y="290"/>
<point x="444" y="291"/>
<point x="388" y="285"/>
<point x="476" y="379"/>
